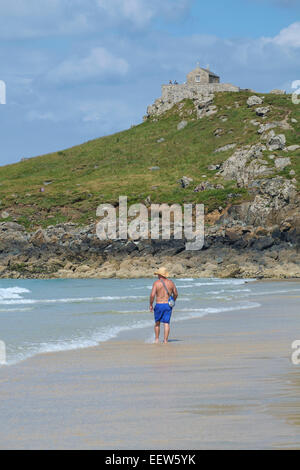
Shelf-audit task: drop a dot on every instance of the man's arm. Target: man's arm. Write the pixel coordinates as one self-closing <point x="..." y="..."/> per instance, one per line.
<point x="152" y="296"/>
<point x="175" y="292"/>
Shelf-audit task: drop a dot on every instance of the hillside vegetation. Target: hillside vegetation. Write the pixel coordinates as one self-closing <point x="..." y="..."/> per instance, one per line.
<point x="78" y="179"/>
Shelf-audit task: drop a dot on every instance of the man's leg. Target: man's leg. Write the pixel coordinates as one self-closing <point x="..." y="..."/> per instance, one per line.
<point x="166" y="332"/>
<point x="157" y="331"/>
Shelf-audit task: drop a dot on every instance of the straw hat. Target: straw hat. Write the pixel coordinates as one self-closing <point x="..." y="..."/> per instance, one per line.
<point x="162" y="272"/>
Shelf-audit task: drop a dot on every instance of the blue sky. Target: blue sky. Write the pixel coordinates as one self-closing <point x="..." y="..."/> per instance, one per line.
<point x="79" y="69"/>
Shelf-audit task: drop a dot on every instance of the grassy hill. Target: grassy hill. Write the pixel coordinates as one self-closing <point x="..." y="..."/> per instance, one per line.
<point x="77" y="179"/>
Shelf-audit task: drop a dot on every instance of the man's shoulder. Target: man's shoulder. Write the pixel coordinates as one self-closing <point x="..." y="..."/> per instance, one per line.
<point x="166" y="281"/>
<point x="172" y="283"/>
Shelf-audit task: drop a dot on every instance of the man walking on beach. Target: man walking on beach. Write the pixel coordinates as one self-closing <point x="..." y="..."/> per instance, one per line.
<point x="162" y="289"/>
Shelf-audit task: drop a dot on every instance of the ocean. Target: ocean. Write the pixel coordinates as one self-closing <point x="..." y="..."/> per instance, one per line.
<point x="39" y="316"/>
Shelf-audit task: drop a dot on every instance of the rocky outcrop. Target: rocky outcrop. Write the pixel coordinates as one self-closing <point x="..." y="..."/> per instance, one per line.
<point x="202" y="101"/>
<point x="245" y="165"/>
<point x="231" y="249"/>
<point x="273" y="195"/>
<point x="275" y="201"/>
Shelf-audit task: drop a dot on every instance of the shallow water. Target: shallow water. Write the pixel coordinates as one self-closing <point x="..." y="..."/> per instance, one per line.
<point x="39" y="316"/>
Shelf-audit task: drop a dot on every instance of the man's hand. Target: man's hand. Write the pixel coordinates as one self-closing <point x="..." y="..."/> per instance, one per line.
<point x="151" y="308"/>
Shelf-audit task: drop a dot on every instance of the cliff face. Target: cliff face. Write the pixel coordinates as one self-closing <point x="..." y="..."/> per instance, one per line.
<point x="237" y="154"/>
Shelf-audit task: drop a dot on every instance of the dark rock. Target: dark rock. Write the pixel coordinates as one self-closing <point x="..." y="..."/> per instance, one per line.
<point x="263" y="243"/>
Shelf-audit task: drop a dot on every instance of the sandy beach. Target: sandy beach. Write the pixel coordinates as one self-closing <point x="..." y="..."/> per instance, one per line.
<point x="224" y="381"/>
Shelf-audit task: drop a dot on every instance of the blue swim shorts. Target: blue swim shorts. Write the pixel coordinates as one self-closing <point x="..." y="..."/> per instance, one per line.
<point x="162" y="313"/>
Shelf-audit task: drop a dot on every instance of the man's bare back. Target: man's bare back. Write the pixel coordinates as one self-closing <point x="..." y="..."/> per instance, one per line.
<point x="159" y="291"/>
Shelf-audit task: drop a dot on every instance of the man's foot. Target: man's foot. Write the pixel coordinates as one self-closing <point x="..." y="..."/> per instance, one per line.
<point x="156" y="341"/>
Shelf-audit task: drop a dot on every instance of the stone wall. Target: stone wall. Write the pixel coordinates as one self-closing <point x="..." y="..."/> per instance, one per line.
<point x="176" y="93"/>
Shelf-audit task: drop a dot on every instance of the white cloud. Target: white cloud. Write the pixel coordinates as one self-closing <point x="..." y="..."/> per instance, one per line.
<point x="289" y="37"/>
<point x="141" y="12"/>
<point x="135" y="11"/>
<point x="38" y="18"/>
<point x="99" y="64"/>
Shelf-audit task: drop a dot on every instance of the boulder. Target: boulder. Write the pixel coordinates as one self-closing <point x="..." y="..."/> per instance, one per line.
<point x="254" y="100"/>
<point x="211" y="110"/>
<point x="204" y="106"/>
<point x="185" y="181"/>
<point x="204" y="186"/>
<point x="225" y="148"/>
<point x="276" y="142"/>
<point x="293" y="148"/>
<point x="263" y="243"/>
<point x="233" y="234"/>
<point x="266" y="127"/>
<point x="182" y="125"/>
<point x="282" y="162"/>
<point x="39" y="238"/>
<point x="231" y="270"/>
<point x="262" y="111"/>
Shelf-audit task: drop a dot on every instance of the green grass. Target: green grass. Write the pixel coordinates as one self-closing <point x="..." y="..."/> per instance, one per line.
<point x="100" y="170"/>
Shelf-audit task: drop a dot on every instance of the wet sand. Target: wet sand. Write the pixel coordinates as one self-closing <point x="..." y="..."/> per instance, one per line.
<point x="225" y="381"/>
